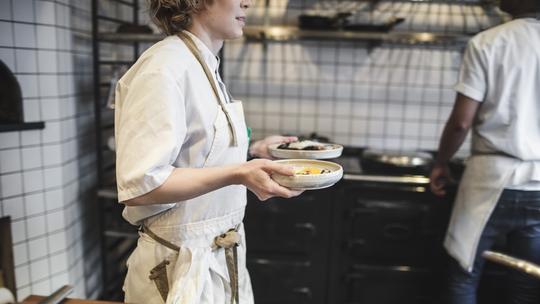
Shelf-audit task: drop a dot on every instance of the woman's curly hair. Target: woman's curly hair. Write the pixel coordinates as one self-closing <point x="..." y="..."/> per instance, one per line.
<point x="173" y="16"/>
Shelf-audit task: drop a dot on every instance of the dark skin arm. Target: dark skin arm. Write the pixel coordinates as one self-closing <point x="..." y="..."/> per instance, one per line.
<point x="455" y="131"/>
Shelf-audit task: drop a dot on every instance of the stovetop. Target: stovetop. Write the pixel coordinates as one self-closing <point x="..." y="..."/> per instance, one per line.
<point x="352" y="170"/>
<point x="350" y="160"/>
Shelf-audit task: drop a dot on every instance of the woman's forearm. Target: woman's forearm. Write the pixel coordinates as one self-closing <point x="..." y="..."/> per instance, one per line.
<point x="187" y="183"/>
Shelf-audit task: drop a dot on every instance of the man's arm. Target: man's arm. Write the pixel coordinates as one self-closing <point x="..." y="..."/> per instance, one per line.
<point x="455" y="132"/>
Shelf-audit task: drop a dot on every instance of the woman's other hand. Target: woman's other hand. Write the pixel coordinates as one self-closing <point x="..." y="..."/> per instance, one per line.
<point x="260" y="147"/>
<point x="255" y="175"/>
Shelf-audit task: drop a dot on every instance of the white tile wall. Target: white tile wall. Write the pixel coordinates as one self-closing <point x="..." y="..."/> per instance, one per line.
<point x="36" y="42"/>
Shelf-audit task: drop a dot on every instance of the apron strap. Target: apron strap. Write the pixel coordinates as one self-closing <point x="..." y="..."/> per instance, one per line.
<point x="158" y="239"/>
<point x="195" y="51"/>
<point x="229" y="241"/>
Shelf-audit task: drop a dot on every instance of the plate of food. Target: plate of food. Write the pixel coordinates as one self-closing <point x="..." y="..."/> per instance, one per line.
<point x="309" y="174"/>
<point x="306" y="149"/>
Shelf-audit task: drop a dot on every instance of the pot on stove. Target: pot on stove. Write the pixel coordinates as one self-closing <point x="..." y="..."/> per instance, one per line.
<point x="396" y="162"/>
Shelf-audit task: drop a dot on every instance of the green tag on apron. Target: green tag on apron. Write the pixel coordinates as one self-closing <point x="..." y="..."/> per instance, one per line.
<point x="249" y="135"/>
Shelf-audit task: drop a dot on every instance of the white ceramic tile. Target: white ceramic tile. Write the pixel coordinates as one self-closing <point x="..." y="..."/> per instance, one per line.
<point x="48" y="85"/>
<point x="61" y="279"/>
<point x="359" y="126"/>
<point x="343" y="91"/>
<point x="6" y="34"/>
<point x="31" y="110"/>
<point x="11" y="184"/>
<point x="59" y="262"/>
<point x="10" y="160"/>
<point x="324" y="125"/>
<point x="42" y="287"/>
<point x="20" y="254"/>
<point x="18" y="231"/>
<point x="55" y="221"/>
<point x="36" y="227"/>
<point x="54" y="199"/>
<point x="35" y="203"/>
<point x="51" y="133"/>
<point x="22" y="276"/>
<point x="33" y="180"/>
<point x="29" y="85"/>
<point x="57" y="241"/>
<point x="289" y="124"/>
<point x="31" y="137"/>
<point x="5" y="9"/>
<point x="25" y="35"/>
<point x="23" y="10"/>
<point x="7" y="56"/>
<point x="31" y="158"/>
<point x="13" y="207"/>
<point x="39" y="270"/>
<point x="52" y="155"/>
<point x="46" y="37"/>
<point x="62" y="36"/>
<point x="37" y="248"/>
<point x="342" y="126"/>
<point x="45" y="12"/>
<point x="53" y="177"/>
<point x="47" y="61"/>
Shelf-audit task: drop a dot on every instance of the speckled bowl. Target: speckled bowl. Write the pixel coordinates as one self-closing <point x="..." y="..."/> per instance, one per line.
<point x="309" y="182"/>
<point x="334" y="152"/>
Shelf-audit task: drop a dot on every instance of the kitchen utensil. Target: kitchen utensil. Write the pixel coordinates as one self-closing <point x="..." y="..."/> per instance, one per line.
<point x="396" y="162"/>
<point x="332" y="151"/>
<point x="385" y="26"/>
<point x="512" y="262"/>
<point x="322" y="21"/>
<point x="309" y="182"/>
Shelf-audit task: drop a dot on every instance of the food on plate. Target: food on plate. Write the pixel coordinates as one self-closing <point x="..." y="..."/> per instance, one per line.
<point x="305" y="145"/>
<point x="310" y="171"/>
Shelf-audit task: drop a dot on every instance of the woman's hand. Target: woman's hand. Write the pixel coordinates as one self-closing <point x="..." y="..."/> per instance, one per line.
<point x="440" y="177"/>
<point x="260" y="147"/>
<point x="255" y="175"/>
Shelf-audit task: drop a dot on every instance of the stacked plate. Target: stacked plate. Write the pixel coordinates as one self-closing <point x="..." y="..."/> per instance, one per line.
<point x="304" y="157"/>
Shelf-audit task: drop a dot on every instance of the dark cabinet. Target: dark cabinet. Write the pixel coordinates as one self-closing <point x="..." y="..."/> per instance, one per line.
<point x="354" y="243"/>
<point x="288" y="243"/>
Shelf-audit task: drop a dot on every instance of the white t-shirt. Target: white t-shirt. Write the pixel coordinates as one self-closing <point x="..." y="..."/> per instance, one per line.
<point x="501" y="69"/>
<point x="164" y="119"/>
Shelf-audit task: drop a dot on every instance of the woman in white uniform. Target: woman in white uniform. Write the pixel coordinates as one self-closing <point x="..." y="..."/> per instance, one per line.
<point x="181" y="161"/>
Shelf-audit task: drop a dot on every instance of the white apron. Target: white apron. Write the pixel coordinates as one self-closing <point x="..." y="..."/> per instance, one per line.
<point x="481" y="186"/>
<point x="197" y="273"/>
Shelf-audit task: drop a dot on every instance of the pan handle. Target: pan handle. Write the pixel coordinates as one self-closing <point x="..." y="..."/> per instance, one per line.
<point x="512" y="262"/>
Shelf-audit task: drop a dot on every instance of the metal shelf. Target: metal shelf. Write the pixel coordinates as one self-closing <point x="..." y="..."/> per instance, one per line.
<point x="109" y="193"/>
<point x="286" y="33"/>
<point x="129" y="37"/>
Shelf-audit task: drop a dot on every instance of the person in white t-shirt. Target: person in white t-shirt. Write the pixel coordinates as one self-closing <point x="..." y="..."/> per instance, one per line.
<point x="499" y="194"/>
<point x="182" y="143"/>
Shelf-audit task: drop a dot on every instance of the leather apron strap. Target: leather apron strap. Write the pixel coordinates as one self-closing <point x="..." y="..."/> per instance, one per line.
<point x="195" y="51"/>
<point x="229" y="241"/>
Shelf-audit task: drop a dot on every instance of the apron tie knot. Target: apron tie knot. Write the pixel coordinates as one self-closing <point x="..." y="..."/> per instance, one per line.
<point x="227" y="240"/>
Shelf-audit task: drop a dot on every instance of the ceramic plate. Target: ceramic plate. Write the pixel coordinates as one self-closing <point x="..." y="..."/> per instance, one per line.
<point x="334" y="151"/>
<point x="313" y="180"/>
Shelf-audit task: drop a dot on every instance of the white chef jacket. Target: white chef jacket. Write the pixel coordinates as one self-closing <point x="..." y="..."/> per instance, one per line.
<point x="165" y="119"/>
<point x="501" y="69"/>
